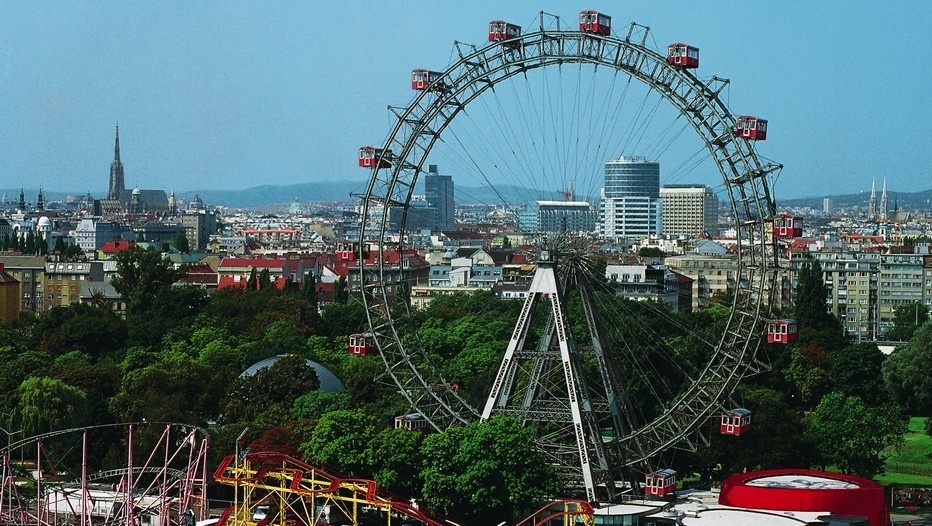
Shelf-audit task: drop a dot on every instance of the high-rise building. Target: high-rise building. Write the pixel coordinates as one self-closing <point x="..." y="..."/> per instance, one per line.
<point x="630" y="206"/>
<point x="689" y="210"/>
<point x="198" y="223"/>
<point x="438" y="191"/>
<point x="558" y="216"/>
<point x="827" y="206"/>
<point x="117" y="183"/>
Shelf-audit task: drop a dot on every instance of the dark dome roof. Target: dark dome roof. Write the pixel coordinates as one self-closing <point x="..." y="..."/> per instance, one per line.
<point x="329" y="383"/>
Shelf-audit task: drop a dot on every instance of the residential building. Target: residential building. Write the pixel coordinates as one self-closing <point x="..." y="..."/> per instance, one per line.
<point x="199" y="224"/>
<point x="103" y="293"/>
<point x="28" y="271"/>
<point x="902" y="282"/>
<point x="10" y="304"/>
<point x="235" y="271"/>
<point x="641" y="282"/>
<point x="712" y="275"/>
<point x="630" y="206"/>
<point x="62" y="281"/>
<point x="689" y="211"/>
<point x="91" y="234"/>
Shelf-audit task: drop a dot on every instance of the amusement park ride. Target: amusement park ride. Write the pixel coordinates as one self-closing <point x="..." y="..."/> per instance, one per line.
<point x="559" y="375"/>
<point x="569" y="390"/>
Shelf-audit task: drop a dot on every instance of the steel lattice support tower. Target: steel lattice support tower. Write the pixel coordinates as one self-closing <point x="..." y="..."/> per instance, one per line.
<point x="542" y="383"/>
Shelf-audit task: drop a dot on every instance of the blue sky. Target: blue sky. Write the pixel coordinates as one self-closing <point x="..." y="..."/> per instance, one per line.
<point x="235" y="94"/>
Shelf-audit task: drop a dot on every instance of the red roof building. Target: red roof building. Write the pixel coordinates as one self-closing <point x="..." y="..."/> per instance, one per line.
<point x="235" y="271"/>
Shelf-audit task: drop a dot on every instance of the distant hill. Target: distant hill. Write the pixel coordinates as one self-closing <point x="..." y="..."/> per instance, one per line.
<point x="921" y="200"/>
<point x="339" y="191"/>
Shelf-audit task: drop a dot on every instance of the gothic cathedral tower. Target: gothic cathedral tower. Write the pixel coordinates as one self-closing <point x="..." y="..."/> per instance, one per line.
<point x="117" y="185"/>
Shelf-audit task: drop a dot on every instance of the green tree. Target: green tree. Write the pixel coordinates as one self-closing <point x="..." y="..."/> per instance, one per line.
<point x="84" y="327"/>
<point x="343" y="318"/>
<point x="341" y="438"/>
<point x="856" y="370"/>
<point x="141" y="274"/>
<point x="271" y="389"/>
<point x="340" y="293"/>
<point x="810" y="298"/>
<point x="99" y="381"/>
<point x="309" y="288"/>
<point x="252" y="282"/>
<point x="278" y="438"/>
<point x="60" y="245"/>
<point x="484" y="472"/>
<point x="852" y="435"/>
<point x="394" y="456"/>
<point x="651" y="252"/>
<point x="906" y="372"/>
<point x="181" y="243"/>
<point x="774" y="441"/>
<point x="265" y="280"/>
<point x="173" y="389"/>
<point x="47" y="404"/>
<point x="807" y="373"/>
<point x="170" y="309"/>
<point x="906" y="321"/>
<point x="29" y="247"/>
<point x="314" y="404"/>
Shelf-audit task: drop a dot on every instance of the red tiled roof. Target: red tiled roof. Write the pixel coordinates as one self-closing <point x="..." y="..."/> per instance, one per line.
<point x="240" y="282"/>
<point x="112" y="247"/>
<point x="252" y="263"/>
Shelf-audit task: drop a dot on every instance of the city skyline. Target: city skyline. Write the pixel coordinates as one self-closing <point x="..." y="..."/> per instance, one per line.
<point x="253" y="99"/>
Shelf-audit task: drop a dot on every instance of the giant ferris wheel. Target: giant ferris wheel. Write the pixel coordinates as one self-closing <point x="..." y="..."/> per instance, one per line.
<point x="530" y="112"/>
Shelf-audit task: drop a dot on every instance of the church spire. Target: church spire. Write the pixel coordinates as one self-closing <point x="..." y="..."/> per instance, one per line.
<point x="872" y="205"/>
<point x="116" y="145"/>
<point x="883" y="202"/>
<point x="117" y="184"/>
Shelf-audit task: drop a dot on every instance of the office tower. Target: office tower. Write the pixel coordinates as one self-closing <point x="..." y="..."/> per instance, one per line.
<point x="690" y="211"/>
<point x="630" y="203"/>
<point x="438" y="191"/>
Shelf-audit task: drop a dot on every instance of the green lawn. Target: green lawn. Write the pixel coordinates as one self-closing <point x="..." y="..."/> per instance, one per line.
<point x="911" y="464"/>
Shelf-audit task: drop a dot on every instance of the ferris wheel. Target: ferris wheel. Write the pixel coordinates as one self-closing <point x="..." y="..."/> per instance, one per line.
<point x="521" y="116"/>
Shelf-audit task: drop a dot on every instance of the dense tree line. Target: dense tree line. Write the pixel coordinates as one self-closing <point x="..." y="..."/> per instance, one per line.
<point x="179" y="356"/>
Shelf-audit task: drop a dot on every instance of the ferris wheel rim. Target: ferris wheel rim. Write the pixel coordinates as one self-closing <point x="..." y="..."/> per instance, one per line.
<point x="744" y="177"/>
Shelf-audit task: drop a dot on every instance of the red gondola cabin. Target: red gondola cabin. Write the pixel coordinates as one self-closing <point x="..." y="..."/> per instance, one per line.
<point x="782" y="331"/>
<point x="736" y="422"/>
<point x="412" y="422"/>
<point x="660" y="483"/>
<point x="422" y="79"/>
<point x="362" y="344"/>
<point x="349" y="251"/>
<point x="595" y="22"/>
<point x="785" y="225"/>
<point x="369" y="156"/>
<point x="683" y="56"/>
<point x="501" y="31"/>
<point x="752" y="128"/>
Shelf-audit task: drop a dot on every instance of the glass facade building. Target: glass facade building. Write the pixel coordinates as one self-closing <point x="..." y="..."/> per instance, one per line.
<point x="630" y="206"/>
